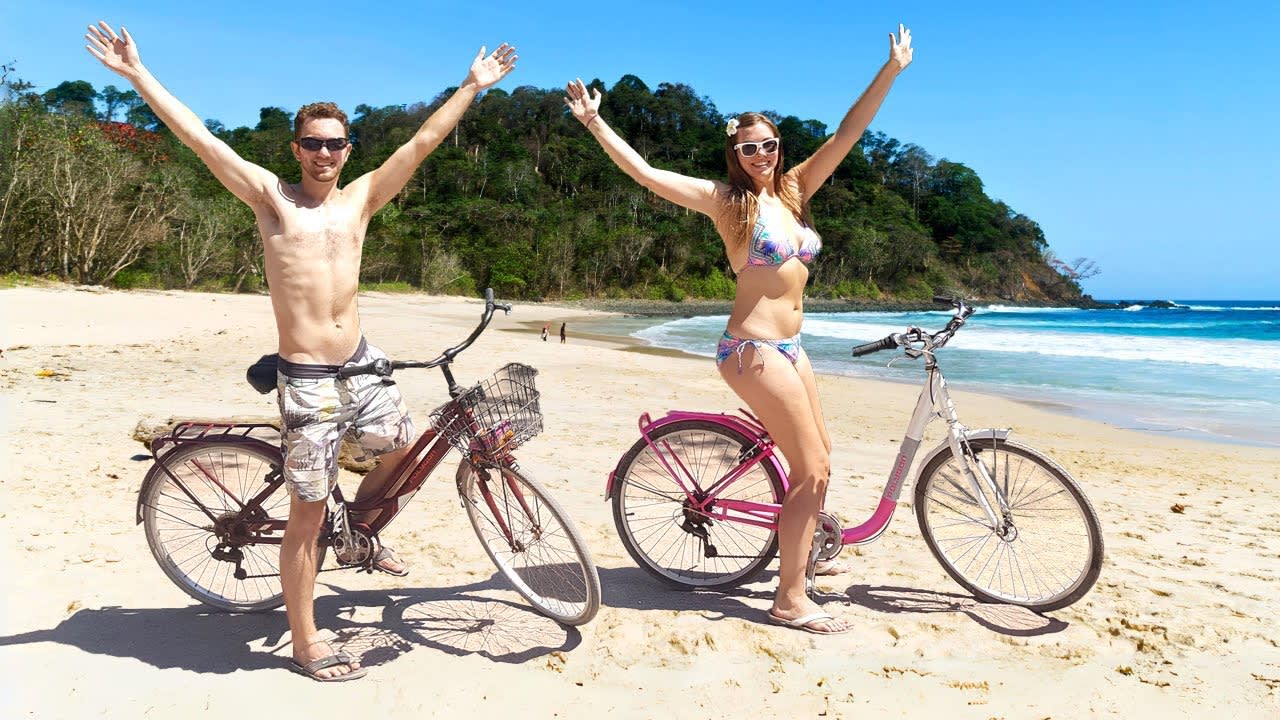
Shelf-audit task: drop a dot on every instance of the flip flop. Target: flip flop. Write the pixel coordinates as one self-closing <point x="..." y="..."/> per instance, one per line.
<point x="804" y="622"/>
<point x="315" y="666"/>
<point x="386" y="553"/>
<point x="830" y="567"/>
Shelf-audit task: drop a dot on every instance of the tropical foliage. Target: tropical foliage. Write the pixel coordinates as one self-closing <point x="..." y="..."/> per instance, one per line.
<point x="519" y="198"/>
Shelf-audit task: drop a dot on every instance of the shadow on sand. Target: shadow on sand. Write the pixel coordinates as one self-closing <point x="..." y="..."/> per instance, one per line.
<point x="631" y="587"/>
<point x="376" y="625"/>
<point x="381" y="625"/>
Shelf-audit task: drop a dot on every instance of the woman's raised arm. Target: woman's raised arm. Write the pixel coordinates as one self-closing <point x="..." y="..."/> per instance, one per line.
<point x="814" y="171"/>
<point x="703" y="196"/>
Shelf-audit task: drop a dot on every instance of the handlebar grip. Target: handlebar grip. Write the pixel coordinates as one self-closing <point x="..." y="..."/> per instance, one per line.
<point x="354" y="370"/>
<point x="381" y="367"/>
<point x="886" y="343"/>
<point x="488" y="296"/>
<point x="944" y="300"/>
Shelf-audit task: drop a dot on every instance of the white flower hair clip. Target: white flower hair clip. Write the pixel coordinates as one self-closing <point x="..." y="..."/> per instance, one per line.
<point x="731" y="127"/>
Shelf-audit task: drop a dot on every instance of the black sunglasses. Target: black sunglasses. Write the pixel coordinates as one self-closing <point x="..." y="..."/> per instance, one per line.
<point x="313" y="144"/>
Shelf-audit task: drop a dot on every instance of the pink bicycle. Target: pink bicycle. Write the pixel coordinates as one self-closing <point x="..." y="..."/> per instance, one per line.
<point x="696" y="499"/>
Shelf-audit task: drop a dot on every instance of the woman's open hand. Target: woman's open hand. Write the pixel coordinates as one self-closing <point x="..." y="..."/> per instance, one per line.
<point x="583" y="103"/>
<point x="119" y="54"/>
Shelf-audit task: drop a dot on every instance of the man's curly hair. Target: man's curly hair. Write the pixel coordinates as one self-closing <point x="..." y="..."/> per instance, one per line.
<point x="319" y="110"/>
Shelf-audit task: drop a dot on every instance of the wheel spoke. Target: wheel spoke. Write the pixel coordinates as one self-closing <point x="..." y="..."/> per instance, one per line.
<point x="539" y="551"/>
<point x="662" y="529"/>
<point x="222" y="479"/>
<point x="1046" y="552"/>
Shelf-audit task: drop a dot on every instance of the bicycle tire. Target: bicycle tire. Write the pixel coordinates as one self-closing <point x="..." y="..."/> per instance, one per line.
<point x="663" y="535"/>
<point x="223" y="477"/>
<point x="1050" y="514"/>
<point x="544" y="558"/>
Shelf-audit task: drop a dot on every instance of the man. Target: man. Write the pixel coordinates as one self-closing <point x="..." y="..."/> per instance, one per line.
<point x="312" y="235"/>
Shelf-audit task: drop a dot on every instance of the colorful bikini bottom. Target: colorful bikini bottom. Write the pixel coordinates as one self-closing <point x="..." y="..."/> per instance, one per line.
<point x="730" y="345"/>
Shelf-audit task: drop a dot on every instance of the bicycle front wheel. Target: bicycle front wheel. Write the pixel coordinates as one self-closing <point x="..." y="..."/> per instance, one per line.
<point x="201" y="533"/>
<point x="533" y="542"/>
<point x="1044" y="554"/>
<point x="659" y="523"/>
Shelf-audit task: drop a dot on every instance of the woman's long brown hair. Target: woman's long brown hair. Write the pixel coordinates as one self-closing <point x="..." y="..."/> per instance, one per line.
<point x="740" y="212"/>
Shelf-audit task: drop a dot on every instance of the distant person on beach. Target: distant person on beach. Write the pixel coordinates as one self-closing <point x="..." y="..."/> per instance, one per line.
<point x="561" y="333"/>
<point x="312" y="235"/>
<point x="544" y="332"/>
<point x="762" y="214"/>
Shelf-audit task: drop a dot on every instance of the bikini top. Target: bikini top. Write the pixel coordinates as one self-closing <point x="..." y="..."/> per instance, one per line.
<point x="771" y="246"/>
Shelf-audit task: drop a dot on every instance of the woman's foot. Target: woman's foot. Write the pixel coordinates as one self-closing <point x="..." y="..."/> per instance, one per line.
<point x="830" y="567"/>
<point x="810" y="618"/>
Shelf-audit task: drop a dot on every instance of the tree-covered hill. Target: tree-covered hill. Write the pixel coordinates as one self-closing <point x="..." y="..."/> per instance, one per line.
<point x="519" y="198"/>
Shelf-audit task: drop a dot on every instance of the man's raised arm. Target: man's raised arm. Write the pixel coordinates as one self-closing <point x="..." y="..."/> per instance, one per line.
<point x="247" y="181"/>
<point x="391" y="177"/>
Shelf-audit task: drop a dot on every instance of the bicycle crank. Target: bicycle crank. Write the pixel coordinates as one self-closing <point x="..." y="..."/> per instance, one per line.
<point x="827" y="537"/>
<point x="354" y="547"/>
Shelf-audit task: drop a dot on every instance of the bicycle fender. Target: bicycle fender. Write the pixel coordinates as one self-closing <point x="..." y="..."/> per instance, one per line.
<point x="733" y="422"/>
<point x="157" y="472"/>
<point x="1001" y="434"/>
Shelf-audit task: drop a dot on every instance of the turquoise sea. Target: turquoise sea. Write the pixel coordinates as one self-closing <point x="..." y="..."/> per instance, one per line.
<point x="1206" y="369"/>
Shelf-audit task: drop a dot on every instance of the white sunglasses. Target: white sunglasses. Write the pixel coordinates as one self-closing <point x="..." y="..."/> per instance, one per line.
<point x="748" y="149"/>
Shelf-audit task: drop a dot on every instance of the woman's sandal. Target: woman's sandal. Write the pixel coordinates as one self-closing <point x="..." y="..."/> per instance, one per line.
<point x="805" y="622"/>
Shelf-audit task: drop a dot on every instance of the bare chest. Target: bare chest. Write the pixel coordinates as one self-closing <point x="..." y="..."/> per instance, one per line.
<point x="328" y="232"/>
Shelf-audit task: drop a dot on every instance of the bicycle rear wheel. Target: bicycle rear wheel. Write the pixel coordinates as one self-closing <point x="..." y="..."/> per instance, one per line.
<point x="201" y="539"/>
<point x="1048" y="553"/>
<point x="658" y="524"/>
<point x="533" y="542"/>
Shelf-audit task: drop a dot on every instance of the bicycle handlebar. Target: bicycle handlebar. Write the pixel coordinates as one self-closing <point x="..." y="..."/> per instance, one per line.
<point x="931" y="342"/>
<point x="886" y="343"/>
<point x="384" y="367"/>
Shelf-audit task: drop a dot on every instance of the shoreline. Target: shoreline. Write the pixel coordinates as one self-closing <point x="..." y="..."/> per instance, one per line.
<point x="1056" y="404"/>
<point x="594" y="313"/>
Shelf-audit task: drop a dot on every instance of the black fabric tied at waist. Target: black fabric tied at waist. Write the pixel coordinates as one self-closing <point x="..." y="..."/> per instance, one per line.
<point x="262" y="374"/>
<point x="309" y="371"/>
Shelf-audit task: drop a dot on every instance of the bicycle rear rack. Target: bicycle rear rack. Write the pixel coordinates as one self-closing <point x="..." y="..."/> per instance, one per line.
<point x="189" y="431"/>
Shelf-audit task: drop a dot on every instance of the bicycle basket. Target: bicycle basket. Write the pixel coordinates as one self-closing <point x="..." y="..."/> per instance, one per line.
<point x="499" y="413"/>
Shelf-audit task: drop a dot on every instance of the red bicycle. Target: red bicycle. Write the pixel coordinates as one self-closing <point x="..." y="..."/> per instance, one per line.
<point x="214" y="504"/>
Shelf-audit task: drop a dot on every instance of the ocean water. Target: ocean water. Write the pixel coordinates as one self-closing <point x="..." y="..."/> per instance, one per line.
<point x="1206" y="369"/>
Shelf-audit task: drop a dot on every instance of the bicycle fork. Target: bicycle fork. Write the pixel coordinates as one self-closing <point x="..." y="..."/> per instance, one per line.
<point x="500" y="507"/>
<point x="981" y="484"/>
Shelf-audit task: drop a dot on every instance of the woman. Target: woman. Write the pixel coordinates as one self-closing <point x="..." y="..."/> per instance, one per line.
<point x="762" y="214"/>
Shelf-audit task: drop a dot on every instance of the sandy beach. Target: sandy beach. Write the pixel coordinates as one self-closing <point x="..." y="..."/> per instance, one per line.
<point x="1180" y="625"/>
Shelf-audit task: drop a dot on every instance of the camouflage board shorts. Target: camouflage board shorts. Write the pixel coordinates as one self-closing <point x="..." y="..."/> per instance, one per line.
<point x="318" y="409"/>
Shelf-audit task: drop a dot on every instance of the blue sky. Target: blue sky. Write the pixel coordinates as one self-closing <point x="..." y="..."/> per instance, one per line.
<point x="1141" y="135"/>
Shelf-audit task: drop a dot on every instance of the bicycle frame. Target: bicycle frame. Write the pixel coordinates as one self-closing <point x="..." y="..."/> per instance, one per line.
<point x="934" y="399"/>
<point x="410" y="474"/>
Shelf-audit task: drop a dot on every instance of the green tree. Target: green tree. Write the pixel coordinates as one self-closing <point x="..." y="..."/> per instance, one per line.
<point x="73" y="97"/>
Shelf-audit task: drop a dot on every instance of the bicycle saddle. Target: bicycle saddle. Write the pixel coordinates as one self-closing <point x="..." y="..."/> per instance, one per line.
<point x="262" y="374"/>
